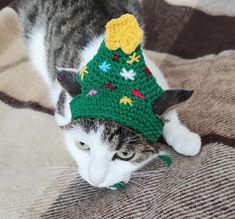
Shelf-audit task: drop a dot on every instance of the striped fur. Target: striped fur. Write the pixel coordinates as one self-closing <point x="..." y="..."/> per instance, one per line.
<point x="63" y="18"/>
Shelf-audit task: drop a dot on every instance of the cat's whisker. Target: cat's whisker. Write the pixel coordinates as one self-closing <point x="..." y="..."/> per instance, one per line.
<point x="139" y="176"/>
<point x="137" y="184"/>
<point x="144" y="173"/>
<point x="53" y="168"/>
<point x="149" y="172"/>
<point x="57" y="172"/>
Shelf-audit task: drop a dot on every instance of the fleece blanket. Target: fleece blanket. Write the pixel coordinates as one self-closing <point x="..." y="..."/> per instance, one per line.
<point x="192" y="42"/>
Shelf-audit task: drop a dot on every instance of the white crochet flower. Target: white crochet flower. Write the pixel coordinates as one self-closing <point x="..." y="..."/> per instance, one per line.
<point x="128" y="75"/>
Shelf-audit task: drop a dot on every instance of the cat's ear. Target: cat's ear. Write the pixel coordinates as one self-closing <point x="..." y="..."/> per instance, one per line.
<point x="170" y="99"/>
<point x="67" y="79"/>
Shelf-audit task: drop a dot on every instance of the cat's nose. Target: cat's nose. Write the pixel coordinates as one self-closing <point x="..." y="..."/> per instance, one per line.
<point x="97" y="174"/>
<point x="98" y="169"/>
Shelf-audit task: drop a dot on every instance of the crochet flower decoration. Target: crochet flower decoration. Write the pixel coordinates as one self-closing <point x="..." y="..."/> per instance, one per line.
<point x="126" y="100"/>
<point x="104" y="66"/>
<point x="128" y="75"/>
<point x="83" y="72"/>
<point x="92" y="92"/>
<point x="133" y="58"/>
<point x="123" y="33"/>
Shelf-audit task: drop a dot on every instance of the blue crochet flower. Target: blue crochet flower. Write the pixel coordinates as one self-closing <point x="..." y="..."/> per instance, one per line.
<point x="105" y="66"/>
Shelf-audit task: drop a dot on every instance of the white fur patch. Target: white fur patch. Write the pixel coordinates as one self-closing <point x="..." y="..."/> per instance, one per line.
<point x="38" y="56"/>
<point x="37" y="53"/>
<point x="96" y="165"/>
<point x="180" y="137"/>
<point x="91" y="49"/>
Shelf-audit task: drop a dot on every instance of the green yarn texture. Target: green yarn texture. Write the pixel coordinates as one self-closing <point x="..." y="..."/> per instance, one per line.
<point x="117" y="89"/>
<point x="166" y="159"/>
<point x="119" y="186"/>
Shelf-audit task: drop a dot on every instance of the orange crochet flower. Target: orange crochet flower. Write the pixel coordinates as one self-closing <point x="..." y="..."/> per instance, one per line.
<point x="123" y="33"/>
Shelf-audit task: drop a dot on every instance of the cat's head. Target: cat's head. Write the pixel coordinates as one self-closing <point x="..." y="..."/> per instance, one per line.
<point x="105" y="151"/>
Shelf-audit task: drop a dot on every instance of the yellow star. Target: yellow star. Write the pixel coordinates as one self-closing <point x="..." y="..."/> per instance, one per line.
<point x="133" y="58"/>
<point x="126" y="100"/>
<point x="82" y="72"/>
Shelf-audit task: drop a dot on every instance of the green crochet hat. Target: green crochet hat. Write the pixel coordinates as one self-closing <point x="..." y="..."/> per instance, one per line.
<point x="117" y="85"/>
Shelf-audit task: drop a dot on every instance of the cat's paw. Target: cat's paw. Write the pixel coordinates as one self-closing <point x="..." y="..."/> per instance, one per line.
<point x="182" y="139"/>
<point x="188" y="143"/>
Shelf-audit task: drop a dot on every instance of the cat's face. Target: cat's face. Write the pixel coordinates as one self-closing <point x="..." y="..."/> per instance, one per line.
<point x="106" y="153"/>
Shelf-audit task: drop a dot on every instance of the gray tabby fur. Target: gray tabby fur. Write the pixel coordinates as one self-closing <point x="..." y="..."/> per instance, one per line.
<point x="71" y="24"/>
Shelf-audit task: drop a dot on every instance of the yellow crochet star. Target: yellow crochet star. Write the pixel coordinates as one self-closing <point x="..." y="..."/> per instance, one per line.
<point x="126" y="100"/>
<point x="82" y="72"/>
<point x="124" y="33"/>
<point x="133" y="58"/>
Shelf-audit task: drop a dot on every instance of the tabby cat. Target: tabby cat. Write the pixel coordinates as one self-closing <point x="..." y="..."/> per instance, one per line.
<point x="65" y="35"/>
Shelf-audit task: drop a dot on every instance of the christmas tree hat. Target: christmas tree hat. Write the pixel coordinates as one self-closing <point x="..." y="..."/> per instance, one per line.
<point x="117" y="85"/>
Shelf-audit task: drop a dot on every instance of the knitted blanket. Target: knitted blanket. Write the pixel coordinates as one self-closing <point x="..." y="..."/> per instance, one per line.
<point x="193" y="43"/>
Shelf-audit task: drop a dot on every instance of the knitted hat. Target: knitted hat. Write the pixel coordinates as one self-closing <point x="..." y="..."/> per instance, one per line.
<point x="117" y="85"/>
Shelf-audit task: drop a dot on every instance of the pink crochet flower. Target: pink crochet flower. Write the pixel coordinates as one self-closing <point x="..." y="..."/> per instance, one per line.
<point x="92" y="92"/>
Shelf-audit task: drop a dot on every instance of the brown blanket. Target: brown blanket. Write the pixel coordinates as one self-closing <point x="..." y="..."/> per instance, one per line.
<point x="195" y="49"/>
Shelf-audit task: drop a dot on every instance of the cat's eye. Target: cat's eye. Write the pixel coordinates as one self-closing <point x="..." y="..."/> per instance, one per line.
<point x="125" y="155"/>
<point x="83" y="146"/>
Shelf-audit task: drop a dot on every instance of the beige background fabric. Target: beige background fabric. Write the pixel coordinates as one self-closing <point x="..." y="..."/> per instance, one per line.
<point x="213" y="7"/>
<point x="32" y="153"/>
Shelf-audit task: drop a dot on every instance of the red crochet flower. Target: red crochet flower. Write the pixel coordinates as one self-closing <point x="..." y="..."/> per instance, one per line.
<point x="137" y="93"/>
<point x="115" y="58"/>
<point x="148" y="72"/>
<point x="109" y="86"/>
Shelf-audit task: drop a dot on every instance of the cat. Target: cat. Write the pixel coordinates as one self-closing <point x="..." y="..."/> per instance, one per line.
<point x="61" y="36"/>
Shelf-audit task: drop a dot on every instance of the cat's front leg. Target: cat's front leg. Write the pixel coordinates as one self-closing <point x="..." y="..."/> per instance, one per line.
<point x="179" y="136"/>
